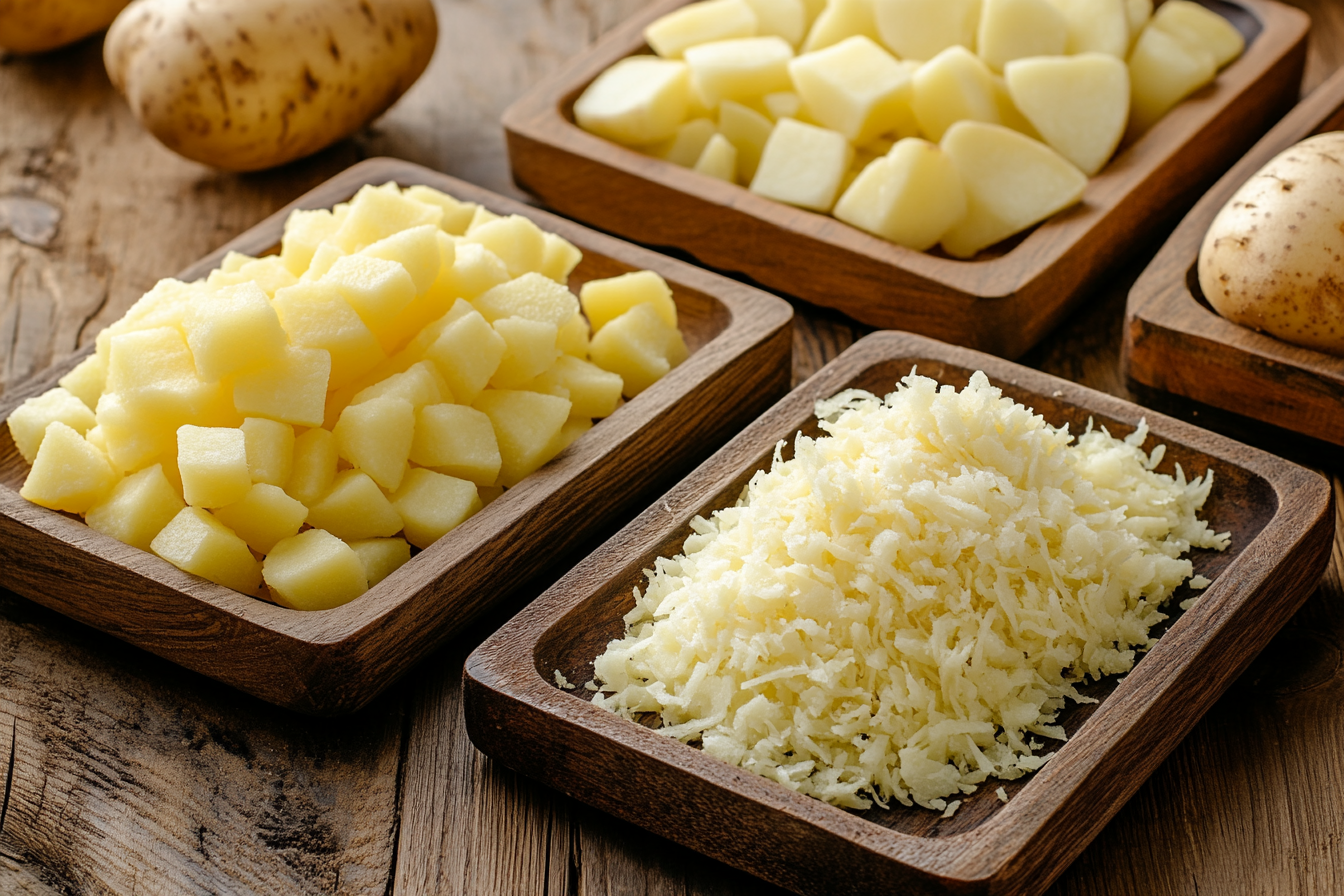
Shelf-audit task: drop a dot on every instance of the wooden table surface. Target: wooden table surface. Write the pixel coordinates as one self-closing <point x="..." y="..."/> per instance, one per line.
<point x="128" y="775"/>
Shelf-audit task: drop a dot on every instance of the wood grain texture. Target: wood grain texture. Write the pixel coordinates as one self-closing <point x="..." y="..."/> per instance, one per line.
<point x="1282" y="525"/>
<point x="1174" y="341"/>
<point x="1003" y="301"/>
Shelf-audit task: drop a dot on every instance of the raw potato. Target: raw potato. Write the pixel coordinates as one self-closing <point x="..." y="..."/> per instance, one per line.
<point x="244" y="86"/>
<point x="35" y="26"/>
<point x="1271" y="260"/>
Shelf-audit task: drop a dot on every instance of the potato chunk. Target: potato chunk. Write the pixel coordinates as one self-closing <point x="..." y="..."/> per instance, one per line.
<point x="921" y="29"/>
<point x="198" y="543"/>
<point x="314" y="467"/>
<point x="458" y="441"/>
<point x="263" y="517"/>
<point x="699" y="23"/>
<point x="431" y="505"/>
<point x="525" y="424"/>
<point x="517" y="242"/>
<point x="741" y="69"/>
<point x="530" y="350"/>
<point x="292" y="387"/>
<point x="1078" y="104"/>
<point x="137" y="508"/>
<point x="375" y="436"/>
<point x="381" y="556"/>
<point x="638" y="346"/>
<point x="213" y="464"/>
<point x="270" y="450"/>
<point x="354" y="507"/>
<point x="1014" y="29"/>
<point x="29" y="421"/>
<point x="911" y="196"/>
<point x="467" y="353"/>
<point x="68" y="473"/>
<point x="316" y="316"/>
<point x="604" y="300"/>
<point x="233" y="329"/>
<point x="857" y="88"/>
<point x="638" y="101"/>
<point x="531" y="295"/>
<point x="803" y="165"/>
<point x="953" y="86"/>
<point x="314" y="570"/>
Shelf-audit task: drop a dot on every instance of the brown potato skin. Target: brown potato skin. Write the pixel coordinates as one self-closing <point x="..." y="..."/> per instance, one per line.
<point x="250" y="85"/>
<point x="35" y="26"/>
<point x="1273" y="258"/>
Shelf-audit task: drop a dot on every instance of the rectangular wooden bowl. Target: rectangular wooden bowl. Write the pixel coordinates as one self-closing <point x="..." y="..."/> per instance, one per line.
<point x="334" y="661"/>
<point x="1280" y="517"/>
<point x="1174" y="341"/>
<point x="1005" y="299"/>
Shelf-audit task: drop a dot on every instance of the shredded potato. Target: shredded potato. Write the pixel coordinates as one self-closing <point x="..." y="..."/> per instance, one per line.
<point x="893" y="613"/>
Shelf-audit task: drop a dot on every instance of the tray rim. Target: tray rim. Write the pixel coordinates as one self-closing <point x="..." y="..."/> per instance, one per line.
<point x="502" y="670"/>
<point x="1161" y="309"/>
<point x="756" y="320"/>
<point x="998" y="285"/>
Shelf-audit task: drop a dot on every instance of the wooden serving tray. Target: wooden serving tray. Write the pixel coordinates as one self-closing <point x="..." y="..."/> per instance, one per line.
<point x="1281" y="519"/>
<point x="1004" y="300"/>
<point x="334" y="661"/>
<point x="1176" y="342"/>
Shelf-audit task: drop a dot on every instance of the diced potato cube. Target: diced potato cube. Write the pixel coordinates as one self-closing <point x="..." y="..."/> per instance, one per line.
<point x="456" y="213"/>
<point x="291" y="387"/>
<point x="420" y="384"/>
<point x="784" y="18"/>
<point x="432" y="504"/>
<point x="525" y="425"/>
<point x="381" y="556"/>
<point x="376" y="213"/>
<point x="572" y="338"/>
<point x="304" y="232"/>
<point x="560" y="257"/>
<point x="748" y="131"/>
<point x="921" y="29"/>
<point x="517" y="242"/>
<point x="86" y="380"/>
<point x="417" y="250"/>
<point x="28" y="422"/>
<point x="264" y="517"/>
<point x="1011" y="182"/>
<point x="592" y="391"/>
<point x="529" y="350"/>
<point x="316" y="316"/>
<point x="857" y="88"/>
<point x="456" y="440"/>
<point x="232" y="261"/>
<point x="68" y="473"/>
<point x="431" y="304"/>
<point x="475" y="270"/>
<point x="377" y="289"/>
<point x="699" y="23"/>
<point x="911" y="196"/>
<point x="953" y="86"/>
<point x="1138" y="12"/>
<point x="638" y="101"/>
<point x="468" y="353"/>
<point x="354" y="507"/>
<point x="153" y="372"/>
<point x="314" y="570"/>
<point x="635" y="346"/>
<point x="802" y="165"/>
<point x="137" y="508"/>
<point x="741" y="70"/>
<point x="314" y="466"/>
<point x="569" y="433"/>
<point x="839" y="20"/>
<point x="603" y="300"/>
<point x="234" y="329"/>
<point x="1095" y="26"/>
<point x="479" y="218"/>
<point x="268" y="274"/>
<point x="783" y="104"/>
<point x="270" y="449"/>
<point x="685" y="146"/>
<point x="198" y="543"/>
<point x="325" y="256"/>
<point x="132" y="439"/>
<point x="1163" y="70"/>
<point x="213" y="464"/>
<point x="1014" y="29"/>
<point x="376" y="437"/>
<point x="1078" y="104"/>
<point x="1198" y="26"/>
<point x="719" y="159"/>
<point x="533" y="296"/>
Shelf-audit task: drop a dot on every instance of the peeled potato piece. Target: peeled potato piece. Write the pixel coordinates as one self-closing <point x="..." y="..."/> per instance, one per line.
<point x="638" y="101"/>
<point x="911" y="196"/>
<point x="1078" y="104"/>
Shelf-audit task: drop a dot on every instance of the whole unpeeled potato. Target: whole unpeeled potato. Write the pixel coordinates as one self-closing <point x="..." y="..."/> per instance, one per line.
<point x="35" y="26"/>
<point x="249" y="84"/>
<point x="1273" y="259"/>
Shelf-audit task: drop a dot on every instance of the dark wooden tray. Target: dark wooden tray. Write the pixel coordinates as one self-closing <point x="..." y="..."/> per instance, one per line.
<point x="1004" y="300"/>
<point x="334" y="661"/>
<point x="1174" y="341"/>
<point x="1281" y="519"/>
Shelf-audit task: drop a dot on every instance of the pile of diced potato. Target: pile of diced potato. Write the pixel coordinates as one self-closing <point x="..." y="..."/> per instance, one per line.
<point x="304" y="419"/>
<point x="925" y="122"/>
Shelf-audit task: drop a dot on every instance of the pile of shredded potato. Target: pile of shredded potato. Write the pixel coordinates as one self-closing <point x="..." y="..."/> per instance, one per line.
<point x="896" y="610"/>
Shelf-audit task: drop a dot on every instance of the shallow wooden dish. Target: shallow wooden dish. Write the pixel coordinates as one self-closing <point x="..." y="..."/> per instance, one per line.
<point x="1004" y="300"/>
<point x="1175" y="342"/>
<point x="1280" y="517"/>
<point x="334" y="661"/>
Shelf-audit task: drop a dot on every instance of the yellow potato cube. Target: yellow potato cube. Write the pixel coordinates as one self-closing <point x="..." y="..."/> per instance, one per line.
<point x="417" y="250"/>
<point x="375" y="436"/>
<point x="784" y="104"/>
<point x="270" y="450"/>
<point x="699" y="23"/>
<point x="420" y="384"/>
<point x="316" y="316"/>
<point x="432" y="504"/>
<point x="921" y="29"/>
<point x="458" y="441"/>
<point x="569" y="433"/>
<point x="378" y="289"/>
<point x="325" y="256"/>
<point x="263" y="517"/>
<point x="911" y="196"/>
<point x="232" y="262"/>
<point x="475" y="270"/>
<point x="153" y="373"/>
<point x="86" y="379"/>
<point x="162" y="306"/>
<point x="234" y="329"/>
<point x="68" y="473"/>
<point x="28" y="422"/>
<point x="381" y="556"/>
<point x="132" y="439"/>
<point x="517" y="242"/>
<point x="196" y="542"/>
<point x="1138" y="12"/>
<point x="354" y="507"/>
<point x="635" y="346"/>
<point x="314" y="467"/>
<point x="304" y="231"/>
<point x="953" y="86"/>
<point x="573" y="336"/>
<point x="685" y="146"/>
<point x="638" y="101"/>
<point x="784" y="18"/>
<point x="432" y="303"/>
<point x="559" y="258"/>
<point x="1198" y="26"/>
<point x="1163" y="70"/>
<point x="603" y="300"/>
<point x="533" y="296"/>
<point x="267" y="274"/>
<point x="839" y="20"/>
<point x="748" y="131"/>
<point x="857" y="88"/>
<point x="1078" y="104"/>
<point x="525" y="424"/>
<point x="719" y="159"/>
<point x="376" y="213"/>
<point x="314" y="570"/>
<point x="1096" y="26"/>
<point x="480" y="218"/>
<point x="456" y="213"/>
<point x="467" y="353"/>
<point x="1015" y="29"/>
<point x="802" y="165"/>
<point x="529" y="350"/>
<point x="137" y="508"/>
<point x="743" y="69"/>
<point x="213" y="464"/>
<point x="291" y="387"/>
<point x="592" y="391"/>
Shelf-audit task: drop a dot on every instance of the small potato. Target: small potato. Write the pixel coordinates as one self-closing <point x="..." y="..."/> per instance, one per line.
<point x="35" y="26"/>
<point x="1273" y="259"/>
<point x="243" y="86"/>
